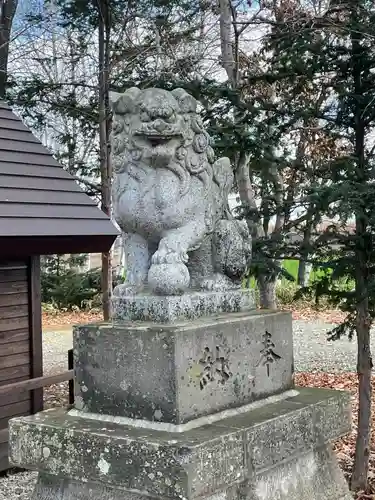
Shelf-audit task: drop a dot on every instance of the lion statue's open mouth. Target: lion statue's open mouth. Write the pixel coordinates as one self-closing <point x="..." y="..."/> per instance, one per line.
<point x="155" y="138"/>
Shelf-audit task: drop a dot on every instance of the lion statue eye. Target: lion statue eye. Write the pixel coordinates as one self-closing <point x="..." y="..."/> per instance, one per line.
<point x="166" y="112"/>
<point x="117" y="126"/>
<point x="171" y="118"/>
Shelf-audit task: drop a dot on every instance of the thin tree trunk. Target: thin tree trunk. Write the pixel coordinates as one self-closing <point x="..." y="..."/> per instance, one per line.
<point x="227" y="55"/>
<point x="363" y="319"/>
<point x="364" y="365"/>
<point x="229" y="36"/>
<point x="229" y="58"/>
<point x="7" y="12"/>
<point x="301" y="276"/>
<point x="105" y="171"/>
<point x="229" y="61"/>
<point x="304" y="271"/>
<point x="364" y="368"/>
<point x="363" y="325"/>
<point x="303" y="267"/>
<point x="246" y="192"/>
<point x="267" y="291"/>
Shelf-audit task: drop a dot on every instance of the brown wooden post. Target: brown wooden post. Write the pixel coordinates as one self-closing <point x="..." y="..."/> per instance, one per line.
<point x="71" y="382"/>
<point x="35" y="322"/>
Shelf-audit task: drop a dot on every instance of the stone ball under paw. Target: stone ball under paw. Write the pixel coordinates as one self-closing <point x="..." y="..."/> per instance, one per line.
<point x="168" y="279"/>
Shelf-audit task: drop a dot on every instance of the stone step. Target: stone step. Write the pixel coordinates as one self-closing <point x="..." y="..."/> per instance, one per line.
<point x="275" y="451"/>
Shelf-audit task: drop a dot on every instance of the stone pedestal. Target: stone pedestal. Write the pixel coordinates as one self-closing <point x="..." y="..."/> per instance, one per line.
<point x="276" y="450"/>
<point x="175" y="373"/>
<point x="201" y="408"/>
<point x="191" y="305"/>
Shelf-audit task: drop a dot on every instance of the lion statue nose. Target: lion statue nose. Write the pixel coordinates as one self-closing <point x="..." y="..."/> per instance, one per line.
<point x="160" y="125"/>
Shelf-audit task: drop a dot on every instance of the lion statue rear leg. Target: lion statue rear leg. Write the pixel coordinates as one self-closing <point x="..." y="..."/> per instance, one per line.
<point x="222" y="259"/>
<point x="204" y="274"/>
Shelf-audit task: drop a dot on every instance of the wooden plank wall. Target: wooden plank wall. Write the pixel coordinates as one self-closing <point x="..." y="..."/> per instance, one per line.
<point x="15" y="344"/>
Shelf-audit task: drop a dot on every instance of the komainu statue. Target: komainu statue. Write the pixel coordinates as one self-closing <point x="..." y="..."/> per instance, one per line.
<point x="170" y="197"/>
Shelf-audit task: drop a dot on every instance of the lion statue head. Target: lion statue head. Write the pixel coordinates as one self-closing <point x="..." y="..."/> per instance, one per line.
<point x="162" y="129"/>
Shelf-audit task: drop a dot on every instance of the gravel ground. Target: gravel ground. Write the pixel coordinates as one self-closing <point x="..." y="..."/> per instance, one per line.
<point x="311" y="349"/>
<point x="55" y="351"/>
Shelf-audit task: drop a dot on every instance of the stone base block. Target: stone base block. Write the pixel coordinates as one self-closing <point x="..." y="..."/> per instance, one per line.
<point x="313" y="476"/>
<point x="191" y="305"/>
<point x="279" y="451"/>
<point x="176" y="373"/>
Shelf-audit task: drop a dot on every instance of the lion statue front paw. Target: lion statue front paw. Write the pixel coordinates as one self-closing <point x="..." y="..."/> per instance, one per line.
<point x="169" y="255"/>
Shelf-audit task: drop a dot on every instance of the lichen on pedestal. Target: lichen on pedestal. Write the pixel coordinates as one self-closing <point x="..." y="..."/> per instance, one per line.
<point x="277" y="451"/>
<point x="190" y="305"/>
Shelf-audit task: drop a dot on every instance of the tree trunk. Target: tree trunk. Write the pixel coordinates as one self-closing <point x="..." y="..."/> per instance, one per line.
<point x="229" y="61"/>
<point x="304" y="270"/>
<point x="362" y="244"/>
<point x="105" y="170"/>
<point x="362" y="449"/>
<point x="364" y="359"/>
<point x="267" y="291"/>
<point x="304" y="267"/>
<point x="7" y="12"/>
<point x="247" y="196"/>
<point x="227" y="55"/>
<point x="364" y="363"/>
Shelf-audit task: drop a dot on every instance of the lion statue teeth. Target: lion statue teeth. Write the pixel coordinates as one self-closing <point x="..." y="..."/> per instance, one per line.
<point x="170" y="197"/>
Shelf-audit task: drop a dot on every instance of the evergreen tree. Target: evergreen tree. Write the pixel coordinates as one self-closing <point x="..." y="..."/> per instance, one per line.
<point x="337" y="52"/>
<point x="65" y="283"/>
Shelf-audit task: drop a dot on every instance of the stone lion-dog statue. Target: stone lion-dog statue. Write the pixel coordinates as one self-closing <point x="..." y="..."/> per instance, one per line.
<point x="170" y="198"/>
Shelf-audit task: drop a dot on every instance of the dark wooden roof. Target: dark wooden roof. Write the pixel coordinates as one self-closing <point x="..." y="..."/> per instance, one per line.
<point x="42" y="208"/>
